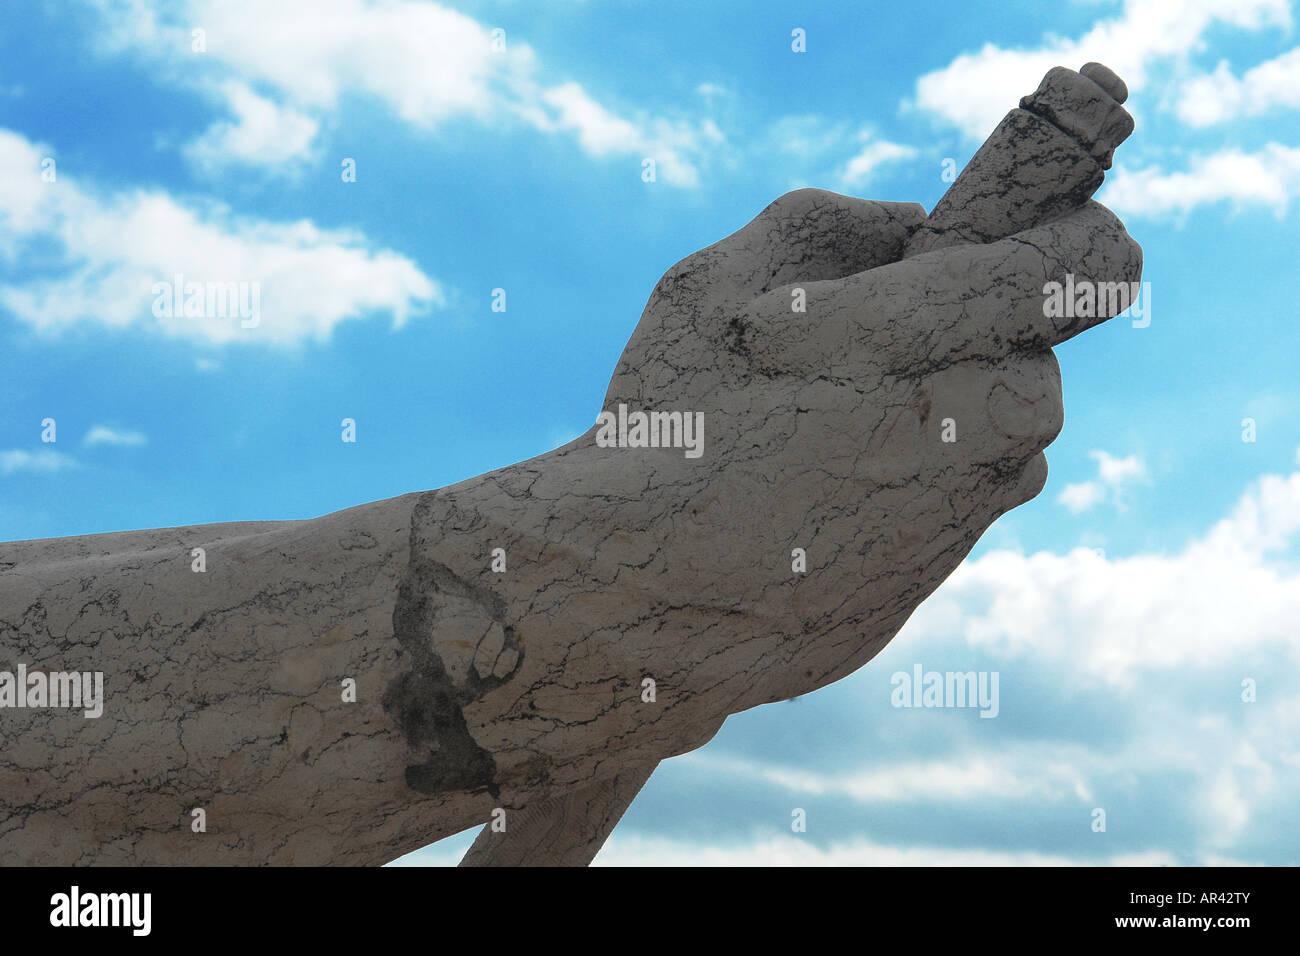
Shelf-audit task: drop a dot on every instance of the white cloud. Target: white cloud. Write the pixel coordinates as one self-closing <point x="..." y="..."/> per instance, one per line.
<point x="1218" y="600"/>
<point x="1116" y="471"/>
<point x="975" y="90"/>
<point x="602" y="133"/>
<point x="45" y="461"/>
<point x="1269" y="178"/>
<point x="423" y="62"/>
<point x="816" y="143"/>
<point x="1005" y="775"/>
<point x="1230" y="790"/>
<point x="1113" y="475"/>
<point x="103" y="435"/>
<point x="1163" y="641"/>
<point x="1082" y="495"/>
<point x="807" y="136"/>
<point x="599" y="131"/>
<point x="263" y="133"/>
<point x="713" y="89"/>
<point x="1221" y="96"/>
<point x="631" y="848"/>
<point x="636" y="850"/>
<point x="112" y="249"/>
<point x="870" y="158"/>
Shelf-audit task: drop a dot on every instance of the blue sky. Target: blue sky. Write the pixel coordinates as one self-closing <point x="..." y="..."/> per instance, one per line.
<point x="1122" y="609"/>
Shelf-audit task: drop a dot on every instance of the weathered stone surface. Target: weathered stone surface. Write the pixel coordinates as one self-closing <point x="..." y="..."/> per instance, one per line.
<point x="526" y="689"/>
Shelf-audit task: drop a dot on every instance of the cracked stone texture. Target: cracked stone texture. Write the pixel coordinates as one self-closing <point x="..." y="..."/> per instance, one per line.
<point x="523" y="689"/>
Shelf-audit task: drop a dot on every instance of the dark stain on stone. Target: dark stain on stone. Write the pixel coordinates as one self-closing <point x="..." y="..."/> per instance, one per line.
<point x="921" y="403"/>
<point x="425" y="702"/>
<point x="358" y="541"/>
<point x="734" y="336"/>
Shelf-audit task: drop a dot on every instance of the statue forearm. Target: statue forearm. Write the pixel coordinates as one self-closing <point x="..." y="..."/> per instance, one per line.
<point x="223" y="691"/>
<point x="224" y="679"/>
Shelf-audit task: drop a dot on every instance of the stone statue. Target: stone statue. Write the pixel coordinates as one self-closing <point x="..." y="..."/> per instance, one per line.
<point x="813" y="423"/>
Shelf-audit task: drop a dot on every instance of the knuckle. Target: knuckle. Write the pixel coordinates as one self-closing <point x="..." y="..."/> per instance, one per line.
<point x="1025" y="404"/>
<point x="799" y="202"/>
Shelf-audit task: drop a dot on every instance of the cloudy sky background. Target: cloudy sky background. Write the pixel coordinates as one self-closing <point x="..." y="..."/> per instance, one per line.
<point x="1122" y="609"/>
